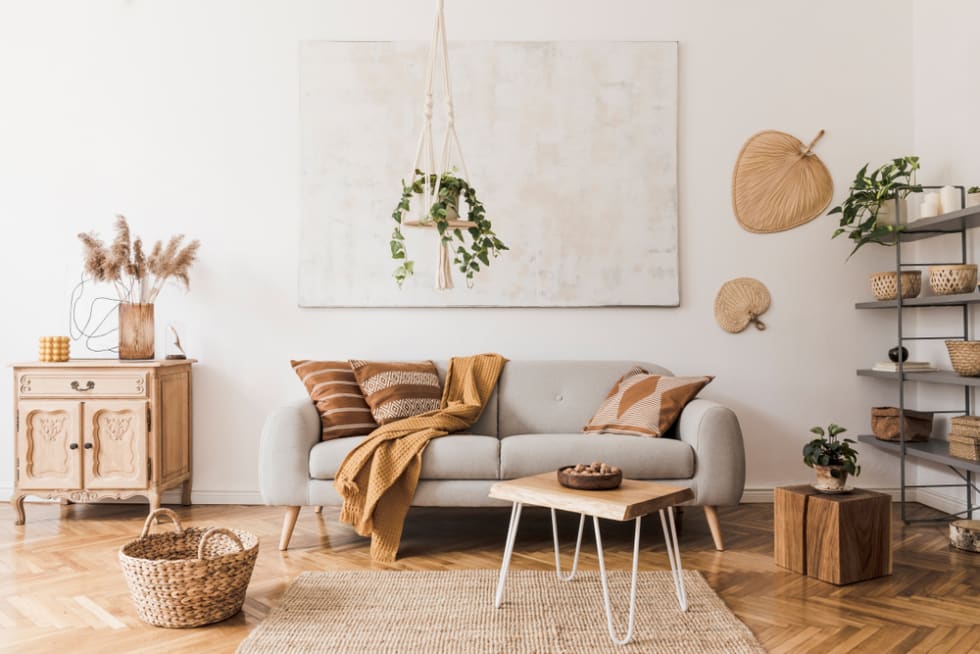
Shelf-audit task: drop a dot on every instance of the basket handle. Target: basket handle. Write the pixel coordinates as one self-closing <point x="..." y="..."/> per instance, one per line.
<point x="152" y="517"/>
<point x="216" y="531"/>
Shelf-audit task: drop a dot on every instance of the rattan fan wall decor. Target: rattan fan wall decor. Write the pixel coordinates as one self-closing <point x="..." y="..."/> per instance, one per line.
<point x="779" y="183"/>
<point x="740" y="302"/>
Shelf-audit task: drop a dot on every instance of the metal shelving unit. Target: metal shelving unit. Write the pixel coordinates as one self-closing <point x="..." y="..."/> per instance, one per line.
<point x="957" y="222"/>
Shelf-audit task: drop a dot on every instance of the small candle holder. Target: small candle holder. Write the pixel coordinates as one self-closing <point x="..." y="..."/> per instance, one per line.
<point x="53" y="349"/>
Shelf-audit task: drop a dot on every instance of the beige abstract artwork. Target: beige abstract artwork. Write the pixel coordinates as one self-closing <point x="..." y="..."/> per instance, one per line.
<point x="572" y="147"/>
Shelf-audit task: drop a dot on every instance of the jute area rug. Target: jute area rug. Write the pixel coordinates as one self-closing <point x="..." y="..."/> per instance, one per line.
<point x="452" y="612"/>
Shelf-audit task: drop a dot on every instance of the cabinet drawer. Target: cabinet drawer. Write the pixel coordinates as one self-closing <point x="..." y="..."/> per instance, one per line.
<point x="82" y="384"/>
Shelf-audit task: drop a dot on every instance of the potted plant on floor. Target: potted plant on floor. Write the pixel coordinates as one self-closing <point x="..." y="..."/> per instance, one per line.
<point x="833" y="458"/>
<point x="867" y="214"/>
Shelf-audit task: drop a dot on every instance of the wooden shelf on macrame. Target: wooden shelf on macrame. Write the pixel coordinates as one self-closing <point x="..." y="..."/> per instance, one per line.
<point x="430" y="224"/>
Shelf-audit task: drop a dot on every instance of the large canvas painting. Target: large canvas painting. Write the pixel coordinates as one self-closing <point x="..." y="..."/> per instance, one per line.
<point x="572" y="147"/>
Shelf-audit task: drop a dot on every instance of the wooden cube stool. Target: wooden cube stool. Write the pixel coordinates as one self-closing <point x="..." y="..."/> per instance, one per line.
<point x="840" y="539"/>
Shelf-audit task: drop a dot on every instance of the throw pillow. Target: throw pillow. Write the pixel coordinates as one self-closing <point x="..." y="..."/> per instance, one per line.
<point x="398" y="390"/>
<point x="642" y="404"/>
<point x="338" y="398"/>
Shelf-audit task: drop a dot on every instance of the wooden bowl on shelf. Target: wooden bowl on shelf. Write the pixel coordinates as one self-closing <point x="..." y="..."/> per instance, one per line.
<point x="568" y="478"/>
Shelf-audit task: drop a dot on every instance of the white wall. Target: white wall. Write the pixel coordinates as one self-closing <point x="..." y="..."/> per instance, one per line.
<point x="184" y="116"/>
<point x="947" y="138"/>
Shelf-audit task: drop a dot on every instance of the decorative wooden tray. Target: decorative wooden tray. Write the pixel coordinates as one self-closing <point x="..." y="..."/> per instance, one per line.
<point x="569" y="479"/>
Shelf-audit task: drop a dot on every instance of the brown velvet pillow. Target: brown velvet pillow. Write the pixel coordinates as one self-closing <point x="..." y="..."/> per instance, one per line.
<point x="642" y="404"/>
<point x="338" y="398"/>
<point x="396" y="390"/>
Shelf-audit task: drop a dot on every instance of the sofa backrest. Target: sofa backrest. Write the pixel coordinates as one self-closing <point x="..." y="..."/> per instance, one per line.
<point x="554" y="396"/>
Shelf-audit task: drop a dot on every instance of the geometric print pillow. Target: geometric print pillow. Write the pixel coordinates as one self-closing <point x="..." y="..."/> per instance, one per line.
<point x="338" y="399"/>
<point x="396" y="390"/>
<point x="642" y="404"/>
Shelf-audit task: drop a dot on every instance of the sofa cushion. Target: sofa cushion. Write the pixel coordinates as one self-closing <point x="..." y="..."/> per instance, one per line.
<point x="539" y="397"/>
<point x="645" y="405"/>
<point x="338" y="398"/>
<point x="396" y="390"/>
<point x="457" y="456"/>
<point x="639" y="458"/>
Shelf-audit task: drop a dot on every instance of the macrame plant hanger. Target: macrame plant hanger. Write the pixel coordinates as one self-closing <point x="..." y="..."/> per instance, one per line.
<point x="425" y="159"/>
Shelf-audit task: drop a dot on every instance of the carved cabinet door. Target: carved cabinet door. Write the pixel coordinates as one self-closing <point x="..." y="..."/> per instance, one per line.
<point x="48" y="445"/>
<point x="114" y="438"/>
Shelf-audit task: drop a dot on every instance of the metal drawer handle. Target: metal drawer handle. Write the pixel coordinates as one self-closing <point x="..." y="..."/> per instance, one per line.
<point x="89" y="385"/>
<point x="88" y="446"/>
<point x="73" y="446"/>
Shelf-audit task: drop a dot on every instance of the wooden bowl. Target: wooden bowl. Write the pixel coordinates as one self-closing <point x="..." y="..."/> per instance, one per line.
<point x="588" y="482"/>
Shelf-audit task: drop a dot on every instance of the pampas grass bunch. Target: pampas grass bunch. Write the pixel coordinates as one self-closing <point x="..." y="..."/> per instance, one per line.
<point x="137" y="277"/>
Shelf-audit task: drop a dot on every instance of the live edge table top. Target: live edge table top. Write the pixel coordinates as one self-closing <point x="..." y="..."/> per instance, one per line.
<point x="631" y="500"/>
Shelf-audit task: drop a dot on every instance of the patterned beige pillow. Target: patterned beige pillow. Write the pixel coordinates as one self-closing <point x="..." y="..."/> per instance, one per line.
<point x="334" y="390"/>
<point x="642" y="404"/>
<point x="398" y="390"/>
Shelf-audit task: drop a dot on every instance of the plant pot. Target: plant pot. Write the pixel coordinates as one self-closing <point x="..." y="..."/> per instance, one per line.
<point x="886" y="214"/>
<point x="827" y="482"/>
<point x="972" y="200"/>
<point x="136" y="331"/>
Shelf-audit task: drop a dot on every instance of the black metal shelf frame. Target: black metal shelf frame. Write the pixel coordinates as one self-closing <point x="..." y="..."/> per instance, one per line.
<point x="957" y="222"/>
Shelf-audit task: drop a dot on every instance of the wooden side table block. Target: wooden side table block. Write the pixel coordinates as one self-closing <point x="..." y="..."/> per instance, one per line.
<point x="840" y="539"/>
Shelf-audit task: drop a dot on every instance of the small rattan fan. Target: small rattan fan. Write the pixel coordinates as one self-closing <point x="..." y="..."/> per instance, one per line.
<point x="779" y="183"/>
<point x="740" y="302"/>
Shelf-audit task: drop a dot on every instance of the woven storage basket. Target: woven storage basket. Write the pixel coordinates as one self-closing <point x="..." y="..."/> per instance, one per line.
<point x="189" y="577"/>
<point x="949" y="280"/>
<point x="884" y="285"/>
<point x="964" y="447"/>
<point x="885" y="425"/>
<point x="965" y="426"/>
<point x="965" y="357"/>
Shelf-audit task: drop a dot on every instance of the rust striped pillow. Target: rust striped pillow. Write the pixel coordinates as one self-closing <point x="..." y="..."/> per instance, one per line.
<point x="338" y="398"/>
<point x="396" y="390"/>
<point x="642" y="404"/>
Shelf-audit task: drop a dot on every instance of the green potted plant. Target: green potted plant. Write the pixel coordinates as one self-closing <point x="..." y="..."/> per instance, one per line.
<point x="973" y="196"/>
<point x="475" y="240"/>
<point x="832" y="458"/>
<point x="867" y="213"/>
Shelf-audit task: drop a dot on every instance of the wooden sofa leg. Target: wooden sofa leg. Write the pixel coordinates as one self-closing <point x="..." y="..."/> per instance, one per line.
<point x="318" y="508"/>
<point x="288" y="522"/>
<point x="711" y="514"/>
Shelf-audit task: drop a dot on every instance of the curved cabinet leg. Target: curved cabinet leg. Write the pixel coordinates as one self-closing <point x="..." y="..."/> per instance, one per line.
<point x="288" y="522"/>
<point x="185" y="492"/>
<point x="711" y="515"/>
<point x="18" y="502"/>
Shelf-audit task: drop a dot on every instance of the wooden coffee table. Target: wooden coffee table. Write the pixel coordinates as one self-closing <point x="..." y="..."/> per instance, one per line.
<point x="631" y="501"/>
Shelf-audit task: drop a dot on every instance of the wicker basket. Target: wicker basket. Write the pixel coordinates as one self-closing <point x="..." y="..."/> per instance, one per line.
<point x="949" y="280"/>
<point x="884" y="285"/>
<point x="884" y="424"/>
<point x="190" y="577"/>
<point x="965" y="357"/>
<point x="964" y="447"/>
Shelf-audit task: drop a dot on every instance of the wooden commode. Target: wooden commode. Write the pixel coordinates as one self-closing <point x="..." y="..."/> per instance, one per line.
<point x="90" y="429"/>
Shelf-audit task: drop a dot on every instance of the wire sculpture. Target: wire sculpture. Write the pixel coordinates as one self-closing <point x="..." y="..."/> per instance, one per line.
<point x="87" y="332"/>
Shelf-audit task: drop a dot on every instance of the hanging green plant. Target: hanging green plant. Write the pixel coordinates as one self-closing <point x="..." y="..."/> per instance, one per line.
<point x="869" y="194"/>
<point x="475" y="241"/>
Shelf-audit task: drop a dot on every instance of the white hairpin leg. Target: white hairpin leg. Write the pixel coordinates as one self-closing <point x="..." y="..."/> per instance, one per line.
<point x="674" y="555"/>
<point x="605" y="584"/>
<point x="515" y="518"/>
<point x="578" y="547"/>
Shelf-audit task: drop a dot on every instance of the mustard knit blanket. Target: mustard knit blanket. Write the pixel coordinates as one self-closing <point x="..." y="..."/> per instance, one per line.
<point x="377" y="479"/>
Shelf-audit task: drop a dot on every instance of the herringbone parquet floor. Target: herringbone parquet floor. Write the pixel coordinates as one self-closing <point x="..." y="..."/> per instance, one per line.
<point x="61" y="590"/>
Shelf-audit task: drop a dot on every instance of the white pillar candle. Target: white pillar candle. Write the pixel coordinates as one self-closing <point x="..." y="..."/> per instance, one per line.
<point x="949" y="199"/>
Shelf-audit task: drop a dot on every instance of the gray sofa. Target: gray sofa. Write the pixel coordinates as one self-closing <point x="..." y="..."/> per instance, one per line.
<point x="532" y="424"/>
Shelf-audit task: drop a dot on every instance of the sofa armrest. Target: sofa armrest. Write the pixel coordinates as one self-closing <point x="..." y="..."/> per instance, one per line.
<point x="719" y="456"/>
<point x="284" y="453"/>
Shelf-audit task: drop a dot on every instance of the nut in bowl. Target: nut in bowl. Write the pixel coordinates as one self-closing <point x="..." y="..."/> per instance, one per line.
<point x="590" y="476"/>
